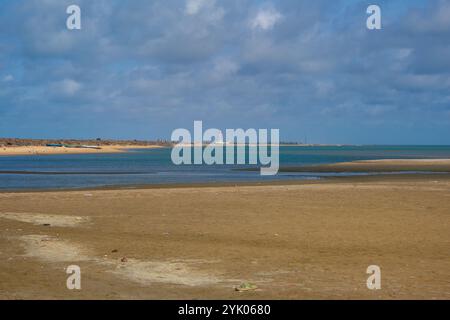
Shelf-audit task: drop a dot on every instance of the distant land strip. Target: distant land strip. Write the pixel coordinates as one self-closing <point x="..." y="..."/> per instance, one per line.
<point x="71" y="172"/>
<point x="15" y="142"/>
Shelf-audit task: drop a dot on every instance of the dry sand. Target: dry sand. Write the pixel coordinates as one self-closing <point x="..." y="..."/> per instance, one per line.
<point x="42" y="150"/>
<point x="300" y="241"/>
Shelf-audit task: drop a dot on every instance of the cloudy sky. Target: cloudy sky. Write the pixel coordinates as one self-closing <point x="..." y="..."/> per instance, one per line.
<point x="140" y="69"/>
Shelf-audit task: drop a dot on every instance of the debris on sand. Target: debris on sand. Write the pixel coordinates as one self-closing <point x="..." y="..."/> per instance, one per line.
<point x="124" y="259"/>
<point x="246" y="286"/>
<point x="45" y="219"/>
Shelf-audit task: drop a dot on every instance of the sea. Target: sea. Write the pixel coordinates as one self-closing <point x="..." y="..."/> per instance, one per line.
<point x="154" y="167"/>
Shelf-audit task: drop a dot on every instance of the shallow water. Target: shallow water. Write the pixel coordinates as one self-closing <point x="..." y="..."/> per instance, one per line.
<point x="154" y="166"/>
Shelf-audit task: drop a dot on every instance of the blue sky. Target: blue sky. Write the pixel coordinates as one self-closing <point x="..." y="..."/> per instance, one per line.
<point x="140" y="69"/>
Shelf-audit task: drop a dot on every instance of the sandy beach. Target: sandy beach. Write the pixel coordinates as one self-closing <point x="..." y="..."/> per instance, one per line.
<point x="198" y="150"/>
<point x="44" y="150"/>
<point x="379" y="166"/>
<point x="303" y="240"/>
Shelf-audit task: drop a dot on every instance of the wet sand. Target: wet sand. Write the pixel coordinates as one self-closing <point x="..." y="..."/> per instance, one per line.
<point x="384" y="165"/>
<point x="310" y="240"/>
<point x="43" y="150"/>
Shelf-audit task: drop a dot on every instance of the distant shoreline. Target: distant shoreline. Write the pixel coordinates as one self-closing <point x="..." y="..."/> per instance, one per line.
<point x="22" y="142"/>
<point x="21" y="147"/>
<point x="45" y="150"/>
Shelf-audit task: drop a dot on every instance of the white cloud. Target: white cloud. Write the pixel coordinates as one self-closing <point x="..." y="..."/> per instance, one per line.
<point x="265" y="19"/>
<point x="8" y="78"/>
<point x="224" y="68"/>
<point x="435" y="19"/>
<point x="379" y="110"/>
<point x="69" y="87"/>
<point x="206" y="8"/>
<point x="194" y="6"/>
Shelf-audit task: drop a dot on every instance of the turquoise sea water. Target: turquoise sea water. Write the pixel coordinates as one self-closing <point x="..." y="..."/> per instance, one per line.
<point x="154" y="166"/>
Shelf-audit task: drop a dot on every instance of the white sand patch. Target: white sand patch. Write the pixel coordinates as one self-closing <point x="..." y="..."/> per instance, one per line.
<point x="405" y="161"/>
<point x="41" y="219"/>
<point x="147" y="272"/>
<point x="52" y="249"/>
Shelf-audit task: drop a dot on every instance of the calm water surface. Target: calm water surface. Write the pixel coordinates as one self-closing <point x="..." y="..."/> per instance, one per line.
<point x="154" y="166"/>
